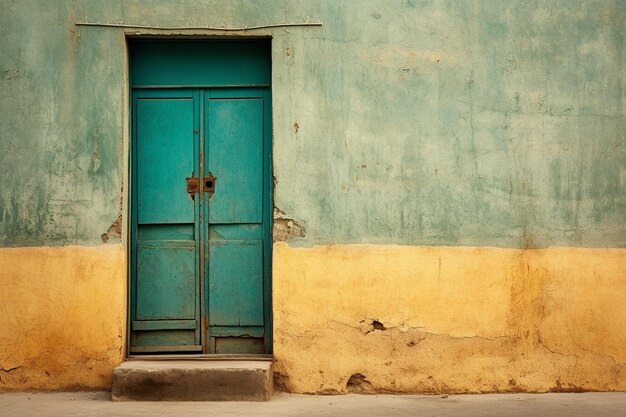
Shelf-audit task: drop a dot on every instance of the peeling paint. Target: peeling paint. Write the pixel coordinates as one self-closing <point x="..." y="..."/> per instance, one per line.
<point x="9" y="74"/>
<point x="286" y="228"/>
<point x="358" y="383"/>
<point x="114" y="231"/>
<point x="288" y="54"/>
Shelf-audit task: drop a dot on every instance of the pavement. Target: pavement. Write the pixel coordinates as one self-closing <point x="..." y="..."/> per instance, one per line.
<point x="67" y="404"/>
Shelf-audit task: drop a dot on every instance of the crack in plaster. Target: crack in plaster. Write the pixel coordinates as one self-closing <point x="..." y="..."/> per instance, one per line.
<point x="401" y="328"/>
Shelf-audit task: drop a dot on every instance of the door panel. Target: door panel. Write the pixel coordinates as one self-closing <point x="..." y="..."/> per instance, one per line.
<point x="235" y="268"/>
<point x="165" y="142"/>
<point x="165" y="302"/>
<point x="236" y="283"/>
<point x="167" y="232"/>
<point x="239" y="345"/>
<point x="166" y="282"/>
<point x="234" y="152"/>
<point x="164" y="341"/>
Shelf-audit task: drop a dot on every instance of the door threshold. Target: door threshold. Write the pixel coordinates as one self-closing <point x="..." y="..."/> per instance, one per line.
<point x="203" y="357"/>
<point x="192" y="380"/>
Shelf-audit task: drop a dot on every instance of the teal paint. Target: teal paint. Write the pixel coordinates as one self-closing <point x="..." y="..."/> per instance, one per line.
<point x="220" y="63"/>
<point x="235" y="290"/>
<point x="234" y="124"/>
<point x="60" y="146"/>
<point x="165" y="137"/>
<point x="165" y="272"/>
<point x="200" y="261"/>
<point x="166" y="284"/>
<point x="237" y="125"/>
<point x="434" y="123"/>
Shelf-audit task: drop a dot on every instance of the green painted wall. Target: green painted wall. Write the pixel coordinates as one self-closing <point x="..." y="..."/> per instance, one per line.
<point x="61" y="125"/>
<point x="414" y="122"/>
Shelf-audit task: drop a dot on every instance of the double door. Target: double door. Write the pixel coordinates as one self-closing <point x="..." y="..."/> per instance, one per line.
<point x="200" y="257"/>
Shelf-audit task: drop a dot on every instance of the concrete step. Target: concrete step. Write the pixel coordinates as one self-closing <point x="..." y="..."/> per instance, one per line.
<point x="192" y="380"/>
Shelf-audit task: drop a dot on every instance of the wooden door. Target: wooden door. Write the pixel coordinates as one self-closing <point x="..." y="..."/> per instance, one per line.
<point x="201" y="217"/>
<point x="237" y="215"/>
<point x="165" y="300"/>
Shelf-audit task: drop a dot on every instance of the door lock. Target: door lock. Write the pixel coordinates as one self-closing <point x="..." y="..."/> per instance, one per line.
<point x="193" y="186"/>
<point x="196" y="185"/>
<point x="209" y="184"/>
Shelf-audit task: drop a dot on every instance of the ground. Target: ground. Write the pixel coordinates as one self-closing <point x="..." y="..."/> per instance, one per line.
<point x="545" y="405"/>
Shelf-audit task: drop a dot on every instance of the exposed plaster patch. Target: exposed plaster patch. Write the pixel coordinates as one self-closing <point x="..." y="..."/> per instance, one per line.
<point x="9" y="372"/>
<point x="115" y="230"/>
<point x="286" y="228"/>
<point x="9" y="74"/>
<point x="281" y="381"/>
<point x="358" y="383"/>
<point x="378" y="325"/>
<point x="288" y="54"/>
<point x="560" y="387"/>
<point x="369" y="325"/>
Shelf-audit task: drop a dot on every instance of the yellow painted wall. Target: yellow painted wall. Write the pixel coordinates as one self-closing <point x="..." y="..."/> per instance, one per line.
<point x="456" y="319"/>
<point x="62" y="316"/>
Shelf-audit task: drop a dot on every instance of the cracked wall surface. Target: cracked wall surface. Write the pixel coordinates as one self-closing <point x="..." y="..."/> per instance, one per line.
<point x="62" y="315"/>
<point x="449" y="319"/>
<point x="453" y="128"/>
<point x="398" y="122"/>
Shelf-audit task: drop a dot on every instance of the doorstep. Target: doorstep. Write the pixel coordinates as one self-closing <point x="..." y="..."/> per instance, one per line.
<point x="192" y="380"/>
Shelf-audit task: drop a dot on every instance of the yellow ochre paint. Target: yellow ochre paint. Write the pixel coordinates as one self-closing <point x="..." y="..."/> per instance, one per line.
<point x="449" y="319"/>
<point x="396" y="318"/>
<point x="62" y="316"/>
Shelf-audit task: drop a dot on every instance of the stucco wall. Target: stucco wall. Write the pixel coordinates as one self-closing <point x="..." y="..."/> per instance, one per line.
<point x="63" y="316"/>
<point x="413" y="122"/>
<point x="448" y="319"/>
<point x="478" y="135"/>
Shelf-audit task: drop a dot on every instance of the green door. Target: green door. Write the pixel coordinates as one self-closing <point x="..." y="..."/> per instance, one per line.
<point x="200" y="256"/>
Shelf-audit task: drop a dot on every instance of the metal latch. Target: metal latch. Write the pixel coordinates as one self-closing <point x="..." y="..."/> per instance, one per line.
<point x="193" y="186"/>
<point x="209" y="184"/>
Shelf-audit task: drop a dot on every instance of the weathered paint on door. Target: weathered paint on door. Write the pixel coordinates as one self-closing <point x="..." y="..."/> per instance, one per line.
<point x="200" y="253"/>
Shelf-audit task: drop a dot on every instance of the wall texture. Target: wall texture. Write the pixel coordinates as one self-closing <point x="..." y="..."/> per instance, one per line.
<point x="63" y="315"/>
<point x="455" y="320"/>
<point x="485" y="139"/>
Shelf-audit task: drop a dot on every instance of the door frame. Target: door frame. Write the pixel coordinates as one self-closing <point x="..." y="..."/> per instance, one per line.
<point x="127" y="208"/>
